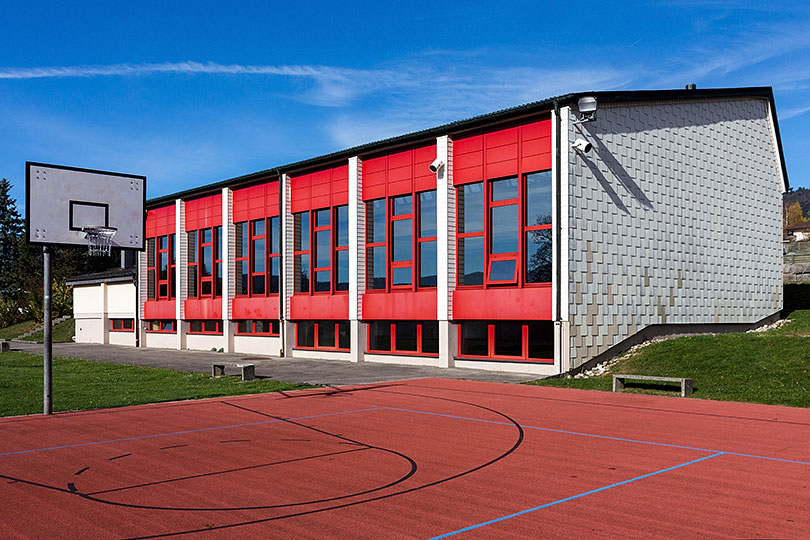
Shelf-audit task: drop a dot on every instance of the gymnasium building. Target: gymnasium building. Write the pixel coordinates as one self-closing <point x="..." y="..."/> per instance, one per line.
<point x="536" y="239"/>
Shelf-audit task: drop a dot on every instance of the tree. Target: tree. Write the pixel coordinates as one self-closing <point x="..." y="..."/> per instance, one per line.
<point x="11" y="232"/>
<point x="793" y="215"/>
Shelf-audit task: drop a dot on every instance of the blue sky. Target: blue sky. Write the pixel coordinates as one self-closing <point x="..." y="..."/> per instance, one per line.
<point x="197" y="92"/>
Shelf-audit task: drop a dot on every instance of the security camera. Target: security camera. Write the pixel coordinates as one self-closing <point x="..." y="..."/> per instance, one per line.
<point x="581" y="145"/>
<point x="437" y="164"/>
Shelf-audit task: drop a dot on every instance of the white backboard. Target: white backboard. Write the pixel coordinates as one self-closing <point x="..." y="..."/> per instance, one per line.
<point x="60" y="201"/>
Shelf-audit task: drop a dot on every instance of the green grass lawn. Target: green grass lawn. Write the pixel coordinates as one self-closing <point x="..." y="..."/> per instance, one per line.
<point x="771" y="367"/>
<point x="82" y="384"/>
<point x="62" y="332"/>
<point x="16" y="330"/>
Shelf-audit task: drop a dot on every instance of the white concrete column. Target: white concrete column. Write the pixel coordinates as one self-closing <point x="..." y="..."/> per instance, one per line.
<point x="357" y="258"/>
<point x="181" y="272"/>
<point x="105" y="315"/>
<point x="141" y="299"/>
<point x="445" y="250"/>
<point x="228" y="255"/>
<point x="286" y="327"/>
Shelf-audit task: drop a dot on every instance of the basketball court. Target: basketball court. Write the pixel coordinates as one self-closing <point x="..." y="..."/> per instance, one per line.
<point x="429" y="458"/>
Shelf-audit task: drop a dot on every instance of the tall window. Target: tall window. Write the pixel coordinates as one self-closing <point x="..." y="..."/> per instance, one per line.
<point x="161" y="267"/>
<point x="406" y="242"/>
<point x="402" y="241"/>
<point x="376" y="236"/>
<point x="257" y="257"/>
<point x="330" y="335"/>
<point x="496" y="244"/>
<point x="301" y="252"/>
<point x="205" y="263"/>
<point x="342" y="248"/>
<point x="406" y="337"/>
<point x="326" y="258"/>
<point x="426" y="239"/>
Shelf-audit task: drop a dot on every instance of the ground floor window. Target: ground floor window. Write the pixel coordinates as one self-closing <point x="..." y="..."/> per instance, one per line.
<point x="122" y="325"/>
<point x="328" y="335"/>
<point x="260" y="327"/>
<point x="507" y="340"/>
<point x="164" y="326"/>
<point x="406" y="337"/>
<point x="205" y="327"/>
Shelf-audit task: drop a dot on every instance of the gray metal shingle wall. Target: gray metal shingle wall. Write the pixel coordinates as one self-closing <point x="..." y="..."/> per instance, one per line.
<point x="674" y="218"/>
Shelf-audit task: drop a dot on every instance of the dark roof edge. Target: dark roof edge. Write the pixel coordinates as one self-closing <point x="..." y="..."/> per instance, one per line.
<point x="504" y="115"/>
<point x="114" y="275"/>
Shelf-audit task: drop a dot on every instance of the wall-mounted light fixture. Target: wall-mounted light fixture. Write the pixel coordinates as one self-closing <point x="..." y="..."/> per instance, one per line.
<point x="581" y="145"/>
<point x="587" y="109"/>
<point x="437" y="164"/>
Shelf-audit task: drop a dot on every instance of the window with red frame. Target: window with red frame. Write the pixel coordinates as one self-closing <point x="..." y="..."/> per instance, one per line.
<point x="497" y="244"/>
<point x="122" y="325"/>
<point x="160" y="326"/>
<point x="161" y="267"/>
<point x="257" y="257"/>
<point x="258" y="327"/>
<point x="327" y="335"/>
<point x="405" y="337"/>
<point x="205" y="327"/>
<point x="411" y="242"/>
<point x="205" y="263"/>
<point x="508" y="340"/>
<point x="326" y="258"/>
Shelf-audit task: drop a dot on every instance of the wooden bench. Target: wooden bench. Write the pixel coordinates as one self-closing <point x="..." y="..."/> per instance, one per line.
<point x="686" y="383"/>
<point x="248" y="370"/>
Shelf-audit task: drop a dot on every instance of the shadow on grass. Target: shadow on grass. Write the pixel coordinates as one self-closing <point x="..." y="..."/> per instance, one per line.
<point x="657" y="387"/>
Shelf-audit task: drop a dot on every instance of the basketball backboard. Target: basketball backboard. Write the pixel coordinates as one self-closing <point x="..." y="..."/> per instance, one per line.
<point x="62" y="202"/>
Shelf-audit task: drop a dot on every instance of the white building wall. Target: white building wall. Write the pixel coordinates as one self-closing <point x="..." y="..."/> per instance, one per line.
<point x="122" y="338"/>
<point x="160" y="341"/>
<point x="88" y="302"/>
<point x="204" y="342"/>
<point x="265" y="345"/>
<point x="674" y="217"/>
<point x="121" y="300"/>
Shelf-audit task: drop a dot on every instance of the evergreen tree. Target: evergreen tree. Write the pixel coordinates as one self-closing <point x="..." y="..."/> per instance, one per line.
<point x="11" y="233"/>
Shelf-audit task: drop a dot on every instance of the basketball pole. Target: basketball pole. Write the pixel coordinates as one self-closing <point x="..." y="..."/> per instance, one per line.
<point x="47" y="355"/>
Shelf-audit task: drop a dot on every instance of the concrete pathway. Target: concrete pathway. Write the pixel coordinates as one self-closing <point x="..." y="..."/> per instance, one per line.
<point x="299" y="370"/>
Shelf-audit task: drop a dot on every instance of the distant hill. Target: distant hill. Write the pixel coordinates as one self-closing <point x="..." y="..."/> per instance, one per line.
<point x="800" y="195"/>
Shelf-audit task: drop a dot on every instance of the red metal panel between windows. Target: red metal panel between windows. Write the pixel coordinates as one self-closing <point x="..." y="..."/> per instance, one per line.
<point x="399" y="173"/>
<point x="531" y="303"/>
<point x="204" y="212"/>
<point x="202" y="308"/>
<point x="502" y="152"/>
<point x="159" y="310"/>
<point x="321" y="189"/>
<point x="160" y="221"/>
<point x="255" y="202"/>
<point x="419" y="305"/>
<point x="255" y="308"/>
<point x="319" y="306"/>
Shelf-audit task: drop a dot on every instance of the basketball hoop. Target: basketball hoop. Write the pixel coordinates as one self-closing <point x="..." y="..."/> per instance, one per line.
<point x="99" y="239"/>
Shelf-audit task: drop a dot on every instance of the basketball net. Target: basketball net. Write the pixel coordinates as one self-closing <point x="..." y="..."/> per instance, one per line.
<point x="99" y="240"/>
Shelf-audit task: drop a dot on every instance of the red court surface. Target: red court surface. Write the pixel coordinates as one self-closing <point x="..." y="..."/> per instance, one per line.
<point x="417" y="459"/>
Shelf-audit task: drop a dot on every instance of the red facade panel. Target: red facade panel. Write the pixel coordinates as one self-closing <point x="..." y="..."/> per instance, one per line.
<point x="399" y="173"/>
<point x="321" y="189"/>
<point x="503" y="152"/>
<point x="204" y="212"/>
<point x="154" y="310"/>
<point x="255" y="202"/>
<point x="419" y="305"/>
<point x="505" y="304"/>
<point x="203" y="308"/>
<point x="320" y="306"/>
<point x="255" y="308"/>
<point x="160" y="221"/>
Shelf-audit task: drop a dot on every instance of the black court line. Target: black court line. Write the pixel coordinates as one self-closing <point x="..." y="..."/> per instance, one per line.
<point x="518" y="442"/>
<point x="119" y="457"/>
<point x="174" y="446"/>
<point x="234" y="440"/>
<point x="617" y="405"/>
<point x="80" y="471"/>
<point x="226" y="471"/>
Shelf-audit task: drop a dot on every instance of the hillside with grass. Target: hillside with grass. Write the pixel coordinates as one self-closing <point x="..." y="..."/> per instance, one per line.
<point x="771" y="367"/>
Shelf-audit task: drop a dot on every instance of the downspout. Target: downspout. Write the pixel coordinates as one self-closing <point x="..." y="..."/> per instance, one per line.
<point x="558" y="211"/>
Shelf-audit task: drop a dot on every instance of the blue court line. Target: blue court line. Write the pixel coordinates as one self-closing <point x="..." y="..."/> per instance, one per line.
<point x="185" y="432"/>
<point x="573" y="497"/>
<point x="607" y="437"/>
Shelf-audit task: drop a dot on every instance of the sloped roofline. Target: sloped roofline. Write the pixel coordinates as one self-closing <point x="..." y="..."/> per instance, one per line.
<point x="461" y="126"/>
